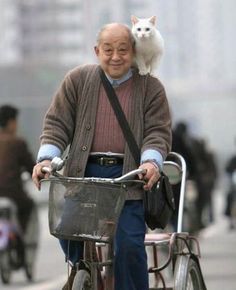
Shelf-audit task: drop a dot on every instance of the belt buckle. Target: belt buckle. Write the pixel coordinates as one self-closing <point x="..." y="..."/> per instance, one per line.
<point x="107" y="161"/>
<point x="111" y="161"/>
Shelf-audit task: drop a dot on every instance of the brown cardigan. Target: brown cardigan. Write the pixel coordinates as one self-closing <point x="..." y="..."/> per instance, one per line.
<point x="71" y="117"/>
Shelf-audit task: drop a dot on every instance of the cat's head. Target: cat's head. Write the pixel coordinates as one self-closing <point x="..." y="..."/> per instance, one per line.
<point x="143" y="27"/>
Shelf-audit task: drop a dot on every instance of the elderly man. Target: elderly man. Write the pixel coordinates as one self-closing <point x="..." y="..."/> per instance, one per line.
<point x="81" y="115"/>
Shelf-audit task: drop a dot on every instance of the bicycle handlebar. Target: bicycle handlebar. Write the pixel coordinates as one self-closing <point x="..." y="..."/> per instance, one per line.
<point x="57" y="164"/>
<point x="130" y="175"/>
<point x="46" y="169"/>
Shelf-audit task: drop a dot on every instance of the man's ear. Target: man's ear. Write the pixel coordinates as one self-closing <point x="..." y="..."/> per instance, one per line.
<point x="96" y="49"/>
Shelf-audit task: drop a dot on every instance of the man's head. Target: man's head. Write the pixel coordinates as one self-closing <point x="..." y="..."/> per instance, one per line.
<point x="115" y="49"/>
<point x="8" y="118"/>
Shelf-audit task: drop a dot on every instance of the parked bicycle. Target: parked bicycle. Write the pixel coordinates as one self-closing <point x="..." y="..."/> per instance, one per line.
<point x="17" y="250"/>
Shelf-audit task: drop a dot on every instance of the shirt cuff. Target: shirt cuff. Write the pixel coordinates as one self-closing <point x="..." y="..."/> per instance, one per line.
<point x="154" y="155"/>
<point x="48" y="152"/>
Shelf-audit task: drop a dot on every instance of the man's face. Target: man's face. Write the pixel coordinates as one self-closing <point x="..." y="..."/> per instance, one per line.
<point x="11" y="127"/>
<point x="115" y="52"/>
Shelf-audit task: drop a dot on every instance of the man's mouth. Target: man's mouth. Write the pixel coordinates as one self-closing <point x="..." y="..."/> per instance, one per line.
<point x="116" y="65"/>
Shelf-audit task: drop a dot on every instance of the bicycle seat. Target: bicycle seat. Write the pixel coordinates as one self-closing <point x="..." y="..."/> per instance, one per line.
<point x="158" y="237"/>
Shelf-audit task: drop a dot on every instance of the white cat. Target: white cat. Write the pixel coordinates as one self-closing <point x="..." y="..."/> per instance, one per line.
<point x="149" y="44"/>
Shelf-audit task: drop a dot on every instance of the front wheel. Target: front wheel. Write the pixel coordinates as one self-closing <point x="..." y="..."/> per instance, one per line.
<point x="187" y="274"/>
<point x="82" y="281"/>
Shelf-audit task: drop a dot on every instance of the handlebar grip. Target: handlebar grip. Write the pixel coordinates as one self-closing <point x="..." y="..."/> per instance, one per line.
<point x="46" y="169"/>
<point x="142" y="171"/>
<point x="130" y="174"/>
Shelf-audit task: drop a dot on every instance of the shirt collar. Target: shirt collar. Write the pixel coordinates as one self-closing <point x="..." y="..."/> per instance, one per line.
<point x="117" y="82"/>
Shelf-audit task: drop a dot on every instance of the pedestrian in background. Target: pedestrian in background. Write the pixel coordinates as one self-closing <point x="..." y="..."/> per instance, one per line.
<point x="230" y="203"/>
<point x="15" y="158"/>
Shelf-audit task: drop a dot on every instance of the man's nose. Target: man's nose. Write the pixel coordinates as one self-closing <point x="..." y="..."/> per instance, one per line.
<point x="115" y="55"/>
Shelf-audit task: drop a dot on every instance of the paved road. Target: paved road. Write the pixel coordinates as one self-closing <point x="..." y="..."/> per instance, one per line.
<point x="219" y="256"/>
<point x="218" y="250"/>
<point x="217" y="246"/>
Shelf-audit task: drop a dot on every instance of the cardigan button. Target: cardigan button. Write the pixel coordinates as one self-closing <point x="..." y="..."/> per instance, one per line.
<point x="88" y="127"/>
<point x="84" y="148"/>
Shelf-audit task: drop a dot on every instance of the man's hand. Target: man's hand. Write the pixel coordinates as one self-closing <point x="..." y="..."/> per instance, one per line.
<point x="152" y="174"/>
<point x="37" y="174"/>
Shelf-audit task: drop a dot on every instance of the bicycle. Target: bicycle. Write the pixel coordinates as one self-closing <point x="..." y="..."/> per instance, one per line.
<point x="97" y="203"/>
<point x="17" y="250"/>
<point x="99" y="224"/>
<point x="183" y="250"/>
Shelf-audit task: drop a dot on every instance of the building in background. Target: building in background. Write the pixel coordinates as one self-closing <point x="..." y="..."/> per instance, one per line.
<point x="58" y="31"/>
<point x="9" y="33"/>
<point x="40" y="40"/>
<point x="197" y="33"/>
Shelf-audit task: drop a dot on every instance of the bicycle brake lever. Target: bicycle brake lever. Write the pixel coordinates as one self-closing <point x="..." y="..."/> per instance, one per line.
<point x="57" y="164"/>
<point x="130" y="174"/>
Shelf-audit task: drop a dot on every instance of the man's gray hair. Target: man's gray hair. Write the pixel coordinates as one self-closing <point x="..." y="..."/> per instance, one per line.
<point x="131" y="37"/>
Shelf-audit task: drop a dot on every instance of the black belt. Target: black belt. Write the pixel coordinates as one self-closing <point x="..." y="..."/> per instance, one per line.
<point x="105" y="160"/>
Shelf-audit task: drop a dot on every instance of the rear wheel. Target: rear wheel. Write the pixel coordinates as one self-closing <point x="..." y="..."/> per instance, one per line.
<point x="5" y="267"/>
<point x="187" y="274"/>
<point x="82" y="281"/>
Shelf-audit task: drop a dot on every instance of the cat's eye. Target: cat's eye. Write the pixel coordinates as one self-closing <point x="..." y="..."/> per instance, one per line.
<point x="139" y="29"/>
<point x="147" y="29"/>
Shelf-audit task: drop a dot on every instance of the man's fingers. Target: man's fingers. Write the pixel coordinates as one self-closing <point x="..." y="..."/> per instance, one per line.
<point x="38" y="174"/>
<point x="36" y="181"/>
<point x="152" y="174"/>
<point x="36" y="178"/>
<point x="141" y="176"/>
<point x="151" y="182"/>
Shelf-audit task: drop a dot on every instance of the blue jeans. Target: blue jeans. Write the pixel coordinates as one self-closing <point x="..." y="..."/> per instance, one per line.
<point x="130" y="263"/>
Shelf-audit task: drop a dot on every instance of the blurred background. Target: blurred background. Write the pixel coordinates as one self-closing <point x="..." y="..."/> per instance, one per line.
<point x="41" y="40"/>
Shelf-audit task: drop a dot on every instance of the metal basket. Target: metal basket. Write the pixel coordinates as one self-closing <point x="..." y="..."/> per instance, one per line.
<point x="84" y="210"/>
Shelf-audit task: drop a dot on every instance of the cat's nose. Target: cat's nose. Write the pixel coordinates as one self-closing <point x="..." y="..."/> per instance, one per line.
<point x="141" y="35"/>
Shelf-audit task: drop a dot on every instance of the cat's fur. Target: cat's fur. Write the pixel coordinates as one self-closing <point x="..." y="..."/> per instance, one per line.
<point x="149" y="44"/>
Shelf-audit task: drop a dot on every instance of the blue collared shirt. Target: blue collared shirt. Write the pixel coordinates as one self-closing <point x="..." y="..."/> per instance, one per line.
<point x="117" y="82"/>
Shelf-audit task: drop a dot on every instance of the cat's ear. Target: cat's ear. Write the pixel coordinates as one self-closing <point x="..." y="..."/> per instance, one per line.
<point x="153" y="20"/>
<point x="134" y="19"/>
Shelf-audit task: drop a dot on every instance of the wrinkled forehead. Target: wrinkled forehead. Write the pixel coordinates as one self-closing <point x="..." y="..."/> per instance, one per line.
<point x="114" y="35"/>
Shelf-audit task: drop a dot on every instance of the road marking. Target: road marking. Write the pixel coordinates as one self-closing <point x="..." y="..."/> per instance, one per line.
<point x="48" y="285"/>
